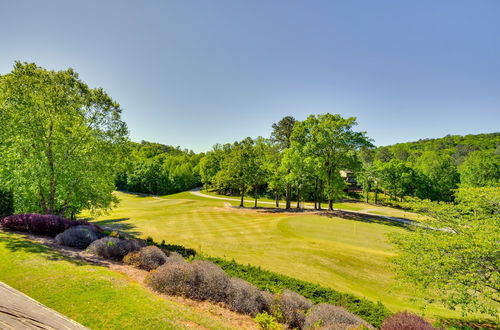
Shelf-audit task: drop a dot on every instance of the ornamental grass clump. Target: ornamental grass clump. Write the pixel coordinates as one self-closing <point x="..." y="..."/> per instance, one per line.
<point x="327" y="316"/>
<point x="407" y="321"/>
<point x="41" y="224"/>
<point x="79" y="237"/>
<point x="114" y="248"/>
<point x="147" y="258"/>
<point x="211" y="281"/>
<point x="243" y="297"/>
<point x="291" y="308"/>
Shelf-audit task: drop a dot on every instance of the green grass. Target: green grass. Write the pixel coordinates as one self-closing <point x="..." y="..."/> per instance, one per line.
<point x="346" y="255"/>
<point x="348" y="206"/>
<point x="94" y="296"/>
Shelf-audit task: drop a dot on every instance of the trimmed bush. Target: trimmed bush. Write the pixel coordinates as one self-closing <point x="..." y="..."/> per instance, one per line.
<point x="114" y="248"/>
<point x="243" y="297"/>
<point x="177" y="278"/>
<point x="211" y="281"/>
<point x="174" y="257"/>
<point x="373" y="313"/>
<point x="326" y="316"/>
<point x="147" y="258"/>
<point x="290" y="308"/>
<point x="78" y="237"/>
<point x="407" y="321"/>
<point x="42" y="224"/>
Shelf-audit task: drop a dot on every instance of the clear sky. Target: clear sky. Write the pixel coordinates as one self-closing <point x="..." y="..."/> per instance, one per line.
<point x="194" y="73"/>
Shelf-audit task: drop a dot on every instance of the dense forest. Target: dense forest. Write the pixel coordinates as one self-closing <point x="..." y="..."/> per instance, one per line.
<point x="303" y="160"/>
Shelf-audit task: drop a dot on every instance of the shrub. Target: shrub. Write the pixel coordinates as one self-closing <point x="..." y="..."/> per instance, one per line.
<point x="211" y="281"/>
<point x="407" y="321"/>
<point x="174" y="257"/>
<point x="374" y="313"/>
<point x="42" y="224"/>
<point x="290" y="308"/>
<point x="147" y="258"/>
<point x="326" y="316"/>
<point x="78" y="236"/>
<point x="173" y="278"/>
<point x="267" y="322"/>
<point x="243" y="297"/>
<point x="114" y="248"/>
<point x="268" y="301"/>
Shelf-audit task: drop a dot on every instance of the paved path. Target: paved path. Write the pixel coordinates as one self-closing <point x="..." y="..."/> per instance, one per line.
<point x="18" y="311"/>
<point x="197" y="192"/>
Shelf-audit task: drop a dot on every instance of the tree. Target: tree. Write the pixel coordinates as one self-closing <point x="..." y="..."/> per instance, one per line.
<point x="331" y="141"/>
<point x="237" y="168"/>
<point x="458" y="260"/>
<point x="62" y="142"/>
<point x="397" y="178"/>
<point x="480" y="169"/>
<point x="281" y="136"/>
<point x="439" y="169"/>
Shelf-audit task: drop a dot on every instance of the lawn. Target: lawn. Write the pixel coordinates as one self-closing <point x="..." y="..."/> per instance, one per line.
<point x="94" y="296"/>
<point x="348" y="206"/>
<point x="347" y="255"/>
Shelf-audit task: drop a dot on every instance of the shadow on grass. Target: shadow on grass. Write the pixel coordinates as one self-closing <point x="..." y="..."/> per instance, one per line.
<point x="118" y="225"/>
<point x="15" y="243"/>
<point x="338" y="214"/>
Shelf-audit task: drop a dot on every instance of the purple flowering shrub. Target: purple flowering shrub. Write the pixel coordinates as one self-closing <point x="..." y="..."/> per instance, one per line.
<point x="42" y="224"/>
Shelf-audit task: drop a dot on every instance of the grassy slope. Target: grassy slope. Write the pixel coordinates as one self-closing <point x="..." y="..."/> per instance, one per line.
<point x="350" y="256"/>
<point x="94" y="296"/>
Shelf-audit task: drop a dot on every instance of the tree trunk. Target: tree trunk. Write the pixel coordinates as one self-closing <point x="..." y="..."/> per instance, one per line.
<point x="277" y="196"/>
<point x="288" y="195"/>
<point x="52" y="184"/>
<point x="298" y="198"/>
<point x="315" y="193"/>
<point x="330" y="204"/>
<point x="376" y="195"/>
<point x="255" y="192"/>
<point x="242" y="197"/>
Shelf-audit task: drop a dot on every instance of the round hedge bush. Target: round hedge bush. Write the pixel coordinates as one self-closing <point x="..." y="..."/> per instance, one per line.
<point x="243" y="297"/>
<point x="326" y="316"/>
<point x="211" y="281"/>
<point x="114" y="248"/>
<point x="291" y="308"/>
<point x="407" y="321"/>
<point x="177" y="278"/>
<point x="147" y="258"/>
<point x="79" y="237"/>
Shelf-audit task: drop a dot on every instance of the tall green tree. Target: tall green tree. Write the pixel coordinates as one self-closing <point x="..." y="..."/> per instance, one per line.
<point x="281" y="137"/>
<point x="332" y="142"/>
<point x="62" y="142"/>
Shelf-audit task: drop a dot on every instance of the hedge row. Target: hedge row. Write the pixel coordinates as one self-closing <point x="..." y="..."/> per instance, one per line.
<point x="374" y="313"/>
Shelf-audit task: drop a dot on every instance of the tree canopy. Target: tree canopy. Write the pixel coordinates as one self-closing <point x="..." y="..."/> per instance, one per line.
<point x="61" y="142"/>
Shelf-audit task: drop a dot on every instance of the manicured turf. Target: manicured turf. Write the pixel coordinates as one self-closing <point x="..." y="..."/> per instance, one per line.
<point x="94" y="296"/>
<point x="349" y="206"/>
<point x="347" y="255"/>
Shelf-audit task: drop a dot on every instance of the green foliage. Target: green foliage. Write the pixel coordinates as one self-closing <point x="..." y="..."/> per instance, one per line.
<point x="459" y="258"/>
<point x="6" y="203"/>
<point x="480" y="169"/>
<point x="62" y="142"/>
<point x="267" y="322"/>
<point x="159" y="169"/>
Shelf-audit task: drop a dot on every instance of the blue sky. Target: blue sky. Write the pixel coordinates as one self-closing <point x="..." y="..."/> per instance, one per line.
<point x="194" y="73"/>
